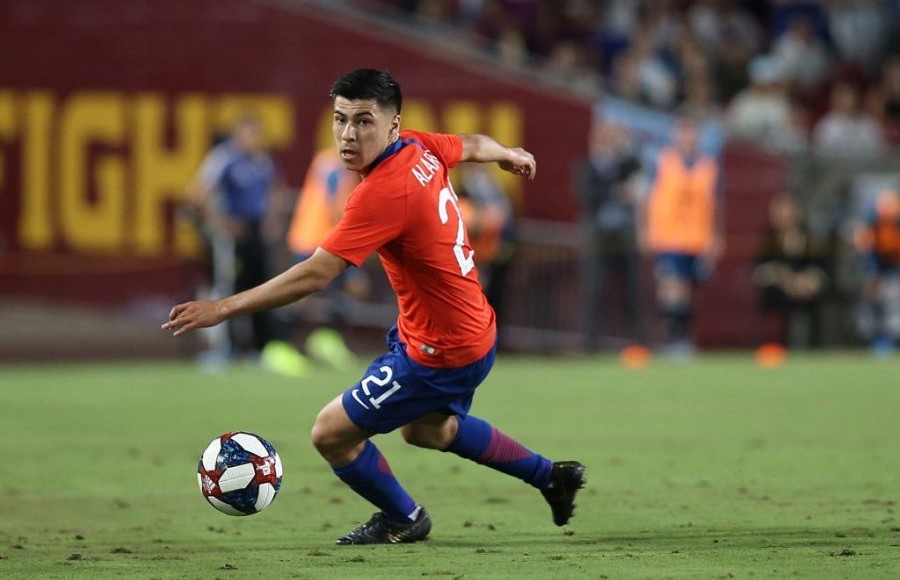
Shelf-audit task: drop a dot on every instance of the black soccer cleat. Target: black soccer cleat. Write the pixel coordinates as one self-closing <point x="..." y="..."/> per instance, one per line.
<point x="380" y="530"/>
<point x="566" y="479"/>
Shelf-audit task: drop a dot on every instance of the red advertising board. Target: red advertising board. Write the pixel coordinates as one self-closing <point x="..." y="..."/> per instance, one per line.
<point x="108" y="106"/>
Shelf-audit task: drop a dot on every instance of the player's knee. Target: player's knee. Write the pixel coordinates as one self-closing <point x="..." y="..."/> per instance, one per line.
<point x="325" y="438"/>
<point x="321" y="436"/>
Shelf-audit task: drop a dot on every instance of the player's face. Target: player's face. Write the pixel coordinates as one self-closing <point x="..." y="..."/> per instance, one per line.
<point x="362" y="130"/>
<point x="248" y="135"/>
<point x="687" y="137"/>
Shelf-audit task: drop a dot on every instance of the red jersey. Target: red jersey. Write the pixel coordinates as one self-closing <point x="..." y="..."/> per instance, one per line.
<point x="407" y="211"/>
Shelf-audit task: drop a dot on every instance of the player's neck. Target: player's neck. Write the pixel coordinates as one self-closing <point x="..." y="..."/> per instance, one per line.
<point x="389" y="150"/>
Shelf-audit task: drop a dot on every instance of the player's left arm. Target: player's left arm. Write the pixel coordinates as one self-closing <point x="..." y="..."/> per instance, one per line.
<point x="301" y="280"/>
<point x="483" y="149"/>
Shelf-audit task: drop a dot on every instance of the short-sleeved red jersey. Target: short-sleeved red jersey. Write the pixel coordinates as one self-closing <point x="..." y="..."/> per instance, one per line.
<point x="407" y="211"/>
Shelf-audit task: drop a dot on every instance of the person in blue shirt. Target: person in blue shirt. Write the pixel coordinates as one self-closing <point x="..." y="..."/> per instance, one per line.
<point x="233" y="194"/>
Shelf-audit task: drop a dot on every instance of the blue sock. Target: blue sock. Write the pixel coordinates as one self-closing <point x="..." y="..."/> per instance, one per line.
<point x="479" y="441"/>
<point x="370" y="476"/>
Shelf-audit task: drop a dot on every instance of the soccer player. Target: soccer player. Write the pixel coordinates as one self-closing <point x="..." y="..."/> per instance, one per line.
<point x="445" y="339"/>
<point x="877" y="240"/>
<point x="682" y="227"/>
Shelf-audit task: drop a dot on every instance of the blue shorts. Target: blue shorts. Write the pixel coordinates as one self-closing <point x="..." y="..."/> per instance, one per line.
<point x="682" y="266"/>
<point x="396" y="390"/>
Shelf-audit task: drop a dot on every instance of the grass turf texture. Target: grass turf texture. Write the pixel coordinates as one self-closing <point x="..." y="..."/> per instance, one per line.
<point x="715" y="469"/>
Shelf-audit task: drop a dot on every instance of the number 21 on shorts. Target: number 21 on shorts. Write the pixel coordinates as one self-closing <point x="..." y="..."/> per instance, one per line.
<point x="380" y="381"/>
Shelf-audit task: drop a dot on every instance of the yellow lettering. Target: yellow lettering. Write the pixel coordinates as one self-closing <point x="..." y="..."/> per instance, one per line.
<point x="161" y="173"/>
<point x="275" y="113"/>
<point x="505" y="124"/>
<point x="7" y="124"/>
<point x="418" y="115"/>
<point x="463" y="117"/>
<point x="91" y="119"/>
<point x="324" y="135"/>
<point x="35" y="225"/>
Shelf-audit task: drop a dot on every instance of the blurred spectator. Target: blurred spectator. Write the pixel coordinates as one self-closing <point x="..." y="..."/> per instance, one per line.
<point x="566" y="62"/>
<point x="681" y="227"/>
<point x="603" y="184"/>
<point x="318" y="210"/>
<point x="700" y="101"/>
<point x="790" y="275"/>
<point x="717" y="23"/>
<point x="657" y="84"/>
<point x="654" y="52"/>
<point x="690" y="62"/>
<point x="858" y="29"/>
<point x="626" y="78"/>
<point x="884" y="100"/>
<point x="847" y="130"/>
<point x="491" y="227"/>
<point x="783" y="13"/>
<point x="730" y="69"/>
<point x="792" y="138"/>
<point x="617" y="18"/>
<point x="877" y="240"/>
<point x="232" y="195"/>
<point x="801" y="55"/>
<point x="762" y="110"/>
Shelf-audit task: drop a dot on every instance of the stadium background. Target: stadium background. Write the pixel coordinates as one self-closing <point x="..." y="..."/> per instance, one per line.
<point x="108" y="106"/>
<point x="721" y="468"/>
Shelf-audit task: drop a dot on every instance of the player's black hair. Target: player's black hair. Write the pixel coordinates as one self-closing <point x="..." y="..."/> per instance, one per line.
<point x="369" y="83"/>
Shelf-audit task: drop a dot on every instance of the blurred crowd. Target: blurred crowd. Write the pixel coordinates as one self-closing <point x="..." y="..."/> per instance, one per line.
<point x="790" y="75"/>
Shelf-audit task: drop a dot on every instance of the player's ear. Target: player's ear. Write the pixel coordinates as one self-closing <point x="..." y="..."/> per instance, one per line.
<point x="395" y="127"/>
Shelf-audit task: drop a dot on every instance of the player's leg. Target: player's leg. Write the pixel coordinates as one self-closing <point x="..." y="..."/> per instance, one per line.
<point x="359" y="464"/>
<point x="673" y="295"/>
<point x="477" y="440"/>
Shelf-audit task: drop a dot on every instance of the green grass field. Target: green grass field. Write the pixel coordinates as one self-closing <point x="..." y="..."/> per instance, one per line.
<point x="715" y="469"/>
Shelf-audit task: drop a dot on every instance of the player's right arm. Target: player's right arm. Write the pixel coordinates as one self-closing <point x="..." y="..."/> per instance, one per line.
<point x="483" y="149"/>
<point x="301" y="280"/>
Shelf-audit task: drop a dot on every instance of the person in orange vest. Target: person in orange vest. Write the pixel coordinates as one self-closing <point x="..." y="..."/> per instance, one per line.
<point x="490" y="224"/>
<point x="877" y="240"/>
<point x="319" y="208"/>
<point x="681" y="228"/>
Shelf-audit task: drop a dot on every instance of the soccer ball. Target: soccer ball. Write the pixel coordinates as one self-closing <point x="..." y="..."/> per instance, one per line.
<point x="239" y="473"/>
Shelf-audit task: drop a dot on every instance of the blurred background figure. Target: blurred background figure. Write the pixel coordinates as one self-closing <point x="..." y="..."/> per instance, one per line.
<point x="490" y="223"/>
<point x="791" y="277"/>
<point x="760" y="111"/>
<point x="681" y="229"/>
<point x="232" y="195"/>
<point x="847" y="130"/>
<point x="605" y="185"/>
<point x="801" y="55"/>
<point x="877" y="240"/>
<point x="883" y="100"/>
<point x="319" y="208"/>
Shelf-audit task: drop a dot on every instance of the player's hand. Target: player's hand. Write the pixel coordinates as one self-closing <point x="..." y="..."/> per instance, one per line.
<point x="520" y="162"/>
<point x="191" y="315"/>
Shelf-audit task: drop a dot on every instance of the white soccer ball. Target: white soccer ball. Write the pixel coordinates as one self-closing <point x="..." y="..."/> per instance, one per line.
<point x="239" y="473"/>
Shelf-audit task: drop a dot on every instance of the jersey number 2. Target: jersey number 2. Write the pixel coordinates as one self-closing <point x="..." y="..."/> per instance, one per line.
<point x="466" y="263"/>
